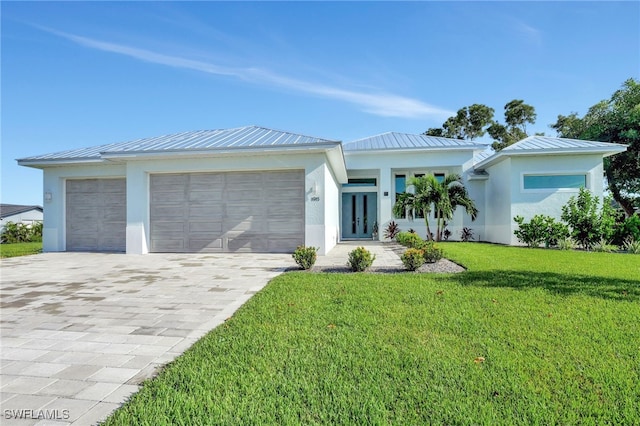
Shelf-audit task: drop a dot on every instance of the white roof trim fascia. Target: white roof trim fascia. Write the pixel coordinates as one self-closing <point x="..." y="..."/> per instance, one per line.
<point x="133" y="155"/>
<point x="489" y="161"/>
<point x="338" y="165"/>
<point x="414" y="149"/>
<point x="42" y="163"/>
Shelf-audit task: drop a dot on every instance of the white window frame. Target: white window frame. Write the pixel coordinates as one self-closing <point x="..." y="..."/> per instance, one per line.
<point x="409" y="174"/>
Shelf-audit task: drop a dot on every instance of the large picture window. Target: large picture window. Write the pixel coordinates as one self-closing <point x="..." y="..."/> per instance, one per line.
<point x="555" y="181"/>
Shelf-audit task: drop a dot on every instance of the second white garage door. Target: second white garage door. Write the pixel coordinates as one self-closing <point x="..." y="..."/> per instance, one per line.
<point x="227" y="212"/>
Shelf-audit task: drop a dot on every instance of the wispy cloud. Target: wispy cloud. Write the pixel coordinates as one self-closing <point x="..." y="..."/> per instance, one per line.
<point x="531" y="33"/>
<point x="377" y="103"/>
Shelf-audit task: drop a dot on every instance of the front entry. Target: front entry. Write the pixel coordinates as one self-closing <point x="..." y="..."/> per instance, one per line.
<point x="359" y="214"/>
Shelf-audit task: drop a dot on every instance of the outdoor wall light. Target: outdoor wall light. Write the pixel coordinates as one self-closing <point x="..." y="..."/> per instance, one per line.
<point x="48" y="197"/>
<point x="314" y="189"/>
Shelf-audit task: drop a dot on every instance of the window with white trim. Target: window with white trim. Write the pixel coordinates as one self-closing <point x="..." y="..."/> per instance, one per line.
<point x="554" y="181"/>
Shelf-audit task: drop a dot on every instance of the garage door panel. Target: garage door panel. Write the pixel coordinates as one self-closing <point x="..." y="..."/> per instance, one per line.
<point x="75" y="186"/>
<point x="96" y="214"/>
<point x="167" y="213"/>
<point x="207" y="197"/>
<point x="169" y="181"/>
<point x="210" y="227"/>
<point x="164" y="245"/>
<point x="197" y="245"/>
<point x="230" y="211"/>
<point x="199" y="211"/>
<point x="168" y="197"/>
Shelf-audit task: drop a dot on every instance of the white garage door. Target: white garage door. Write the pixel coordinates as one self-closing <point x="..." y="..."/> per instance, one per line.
<point x="227" y="212"/>
<point x="96" y="214"/>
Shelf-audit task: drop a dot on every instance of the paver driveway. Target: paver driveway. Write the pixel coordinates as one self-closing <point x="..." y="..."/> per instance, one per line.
<point x="81" y="331"/>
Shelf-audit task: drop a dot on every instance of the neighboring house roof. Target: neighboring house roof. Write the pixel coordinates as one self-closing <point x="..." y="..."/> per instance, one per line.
<point x="197" y="141"/>
<point x="403" y="141"/>
<point x="7" y="210"/>
<point x="543" y="145"/>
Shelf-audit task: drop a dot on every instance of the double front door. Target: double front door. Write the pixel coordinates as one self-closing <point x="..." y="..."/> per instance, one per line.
<point x="359" y="214"/>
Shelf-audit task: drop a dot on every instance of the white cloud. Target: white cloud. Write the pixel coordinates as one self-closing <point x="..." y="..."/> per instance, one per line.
<point x="377" y="103"/>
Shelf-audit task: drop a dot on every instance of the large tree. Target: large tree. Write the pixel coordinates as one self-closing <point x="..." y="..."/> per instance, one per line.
<point x="469" y="123"/>
<point x="427" y="194"/>
<point x="615" y="120"/>
<point x="474" y="121"/>
<point x="516" y="116"/>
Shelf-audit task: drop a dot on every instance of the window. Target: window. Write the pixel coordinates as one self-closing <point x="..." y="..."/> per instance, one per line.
<point x="418" y="213"/>
<point x="401" y="187"/>
<point x="439" y="177"/>
<point x="554" y="181"/>
<point x="360" y="182"/>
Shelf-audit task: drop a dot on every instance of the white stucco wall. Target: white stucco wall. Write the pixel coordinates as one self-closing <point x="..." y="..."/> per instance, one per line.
<point x="386" y="164"/>
<point x="321" y="209"/>
<point x="331" y="210"/>
<point x="528" y="203"/>
<point x="497" y="218"/>
<point x="54" y="224"/>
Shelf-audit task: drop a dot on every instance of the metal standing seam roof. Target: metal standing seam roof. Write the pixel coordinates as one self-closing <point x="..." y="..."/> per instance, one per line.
<point x="199" y="140"/>
<point x="394" y="140"/>
<point x="546" y="144"/>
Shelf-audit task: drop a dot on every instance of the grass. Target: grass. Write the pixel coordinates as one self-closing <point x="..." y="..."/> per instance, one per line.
<point x="525" y="336"/>
<point x="20" y="249"/>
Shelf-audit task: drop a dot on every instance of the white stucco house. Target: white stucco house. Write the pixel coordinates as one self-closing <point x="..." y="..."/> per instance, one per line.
<point x="18" y="213"/>
<point x="263" y="190"/>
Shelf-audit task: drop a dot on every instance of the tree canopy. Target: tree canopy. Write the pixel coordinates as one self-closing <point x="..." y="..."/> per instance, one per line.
<point x="474" y="121"/>
<point x="615" y="120"/>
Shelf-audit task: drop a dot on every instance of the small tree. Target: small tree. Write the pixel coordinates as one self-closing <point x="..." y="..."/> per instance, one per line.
<point x="429" y="194"/>
<point x="588" y="223"/>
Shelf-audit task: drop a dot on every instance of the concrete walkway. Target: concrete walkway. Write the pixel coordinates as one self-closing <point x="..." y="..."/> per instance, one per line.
<point x="81" y="331"/>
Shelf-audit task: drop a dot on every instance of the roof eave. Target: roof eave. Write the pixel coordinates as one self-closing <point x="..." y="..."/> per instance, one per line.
<point x="42" y="163"/>
<point x="141" y="155"/>
<point x="414" y="149"/>
<point x="489" y="161"/>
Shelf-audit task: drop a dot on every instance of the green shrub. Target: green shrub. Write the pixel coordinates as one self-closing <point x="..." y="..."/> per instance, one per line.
<point x="21" y="233"/>
<point x="588" y="223"/>
<point x="631" y="246"/>
<point x="567" y="244"/>
<point x="409" y="239"/>
<point x="360" y="259"/>
<point x="628" y="228"/>
<point x="431" y="253"/>
<point x="604" y="246"/>
<point x="412" y="259"/>
<point x="541" y="229"/>
<point x="305" y="257"/>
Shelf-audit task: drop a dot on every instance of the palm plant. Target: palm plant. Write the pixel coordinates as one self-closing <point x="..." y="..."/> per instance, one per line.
<point x="429" y="195"/>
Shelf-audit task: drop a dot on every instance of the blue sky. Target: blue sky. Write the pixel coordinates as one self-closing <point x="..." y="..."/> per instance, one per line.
<point x="78" y="74"/>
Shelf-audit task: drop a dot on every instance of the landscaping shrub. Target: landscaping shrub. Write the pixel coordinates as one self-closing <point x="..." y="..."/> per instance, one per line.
<point x="567" y="244"/>
<point x="412" y="259"/>
<point x="466" y="234"/>
<point x="409" y="239"/>
<point x="589" y="224"/>
<point x="541" y="229"/>
<point x="431" y="253"/>
<point x="628" y="228"/>
<point x="21" y="233"/>
<point x="360" y="259"/>
<point x="604" y="246"/>
<point x="631" y="246"/>
<point x="391" y="230"/>
<point x="305" y="257"/>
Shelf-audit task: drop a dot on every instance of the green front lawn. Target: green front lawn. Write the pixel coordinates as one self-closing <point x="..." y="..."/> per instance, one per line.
<point x="20" y="249"/>
<point x="526" y="336"/>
